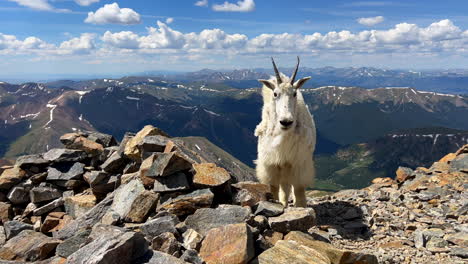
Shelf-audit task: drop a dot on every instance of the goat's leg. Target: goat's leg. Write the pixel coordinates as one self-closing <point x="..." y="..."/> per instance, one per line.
<point x="299" y="196"/>
<point x="284" y="192"/>
<point x="275" y="191"/>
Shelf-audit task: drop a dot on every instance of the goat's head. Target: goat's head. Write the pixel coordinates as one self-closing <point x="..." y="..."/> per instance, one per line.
<point x="285" y="96"/>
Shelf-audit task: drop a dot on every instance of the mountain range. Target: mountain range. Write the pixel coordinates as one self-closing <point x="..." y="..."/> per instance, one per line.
<point x="369" y="123"/>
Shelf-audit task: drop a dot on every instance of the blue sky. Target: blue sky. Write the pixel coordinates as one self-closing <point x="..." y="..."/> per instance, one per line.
<point x="60" y="37"/>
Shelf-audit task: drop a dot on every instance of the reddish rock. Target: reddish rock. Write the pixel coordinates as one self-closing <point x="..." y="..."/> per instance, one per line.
<point x="28" y="246"/>
<point x="11" y="177"/>
<point x="403" y="173"/>
<point x="250" y="193"/>
<point x="228" y="244"/>
<point x="208" y="174"/>
<point x="131" y="148"/>
<point x="6" y="212"/>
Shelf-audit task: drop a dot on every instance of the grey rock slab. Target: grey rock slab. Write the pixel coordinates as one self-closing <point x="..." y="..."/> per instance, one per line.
<point x="122" y="248"/>
<point x="65" y="173"/>
<point x="19" y="195"/>
<point x="157" y="226"/>
<point x="44" y="194"/>
<point x="104" y="139"/>
<point x="155" y="143"/>
<point x="48" y="207"/>
<point x="31" y="160"/>
<point x="207" y="218"/>
<point x="64" y="155"/>
<point x="125" y="196"/>
<point x="175" y="182"/>
<point x="269" y="209"/>
<point x="72" y="244"/>
<point x="13" y="228"/>
<point x="167" y="164"/>
<point x="29" y="246"/>
<point x="191" y="256"/>
<point x="115" y="163"/>
<point x="300" y="219"/>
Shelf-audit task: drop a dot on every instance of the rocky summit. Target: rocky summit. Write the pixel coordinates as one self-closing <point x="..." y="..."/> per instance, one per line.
<point x="156" y="199"/>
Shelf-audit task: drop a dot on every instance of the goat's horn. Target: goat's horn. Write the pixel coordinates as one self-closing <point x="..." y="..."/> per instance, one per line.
<point x="293" y="77"/>
<point x="278" y="77"/>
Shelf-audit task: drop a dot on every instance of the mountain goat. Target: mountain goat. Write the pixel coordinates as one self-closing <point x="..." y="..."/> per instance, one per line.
<point x="286" y="138"/>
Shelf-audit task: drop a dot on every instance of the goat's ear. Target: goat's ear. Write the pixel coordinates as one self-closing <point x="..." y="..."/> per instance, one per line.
<point x="301" y="82"/>
<point x="268" y="84"/>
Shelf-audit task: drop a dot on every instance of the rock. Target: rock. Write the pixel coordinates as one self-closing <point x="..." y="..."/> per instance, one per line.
<point x="208" y="175"/>
<point x="142" y="205"/>
<point x="167" y="243"/>
<point x="50" y="223"/>
<point x="33" y="163"/>
<point x="175" y="182"/>
<point x="269" y="209"/>
<point x="68" y="138"/>
<point x="144" y="167"/>
<point x="403" y="173"/>
<point x="156" y="257"/>
<point x="287" y="252"/>
<point x="18" y="195"/>
<point x="2" y="236"/>
<point x="152" y="144"/>
<point x="77" y="206"/>
<point x="132" y="202"/>
<point x="94" y="178"/>
<point x="65" y="155"/>
<point x="459" y="239"/>
<point x="66" y="172"/>
<point x="72" y="244"/>
<point x="115" y="163"/>
<point x="268" y="239"/>
<point x="131" y="148"/>
<point x="104" y="139"/>
<point x="38" y="178"/>
<point x="460" y="163"/>
<point x="191" y="256"/>
<point x="90" y="147"/>
<point x="459" y="252"/>
<point x="157" y="226"/>
<point x="121" y="247"/>
<point x="207" y="218"/>
<point x="13" y="228"/>
<point x="10" y="177"/>
<point x="192" y="239"/>
<point x="28" y="246"/>
<point x="333" y="254"/>
<point x="89" y="219"/>
<point x="6" y="212"/>
<point x="250" y="193"/>
<point x="44" y="194"/>
<point x="166" y="164"/>
<point x="187" y="203"/>
<point x="48" y="207"/>
<point x="300" y="219"/>
<point x="228" y="244"/>
<point x="436" y="243"/>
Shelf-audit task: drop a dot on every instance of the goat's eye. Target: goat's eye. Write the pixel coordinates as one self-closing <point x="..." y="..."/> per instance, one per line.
<point x="294" y="94"/>
<point x="275" y="94"/>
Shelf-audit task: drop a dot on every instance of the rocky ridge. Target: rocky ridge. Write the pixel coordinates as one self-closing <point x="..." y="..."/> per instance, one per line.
<point x="156" y="199"/>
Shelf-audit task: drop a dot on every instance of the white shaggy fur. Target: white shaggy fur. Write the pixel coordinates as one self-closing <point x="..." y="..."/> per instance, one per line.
<point x="285" y="156"/>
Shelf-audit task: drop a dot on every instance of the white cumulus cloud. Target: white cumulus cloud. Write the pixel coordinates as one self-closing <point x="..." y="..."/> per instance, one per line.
<point x="241" y="6"/>
<point x="86" y="2"/>
<point x="169" y="20"/>
<point x="370" y="21"/>
<point x="82" y="45"/>
<point x="113" y="14"/>
<point x="42" y="5"/>
<point x="202" y="3"/>
<point x="122" y="40"/>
